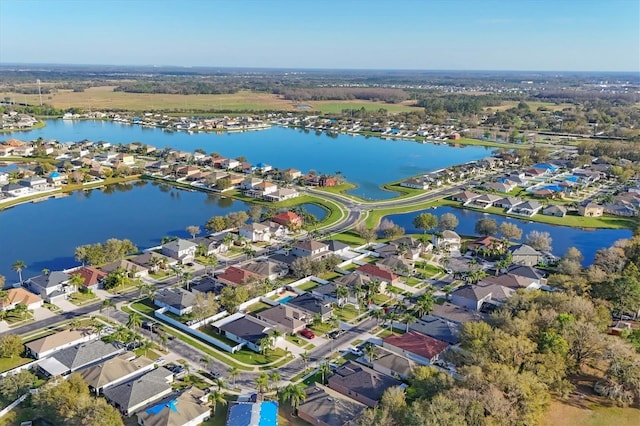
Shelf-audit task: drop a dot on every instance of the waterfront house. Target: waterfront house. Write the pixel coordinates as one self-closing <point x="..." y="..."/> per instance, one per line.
<point x="182" y="250"/>
<point x="116" y="370"/>
<point x="418" y="347"/>
<point x="448" y="240"/>
<point x="129" y="397"/>
<point x="286" y="318"/>
<point x="45" y="346"/>
<point x="590" y="210"/>
<point x="36" y="183"/>
<point x="281" y="194"/>
<point x="361" y="383"/>
<point x="250" y="183"/>
<point x="527" y="208"/>
<point x="525" y="255"/>
<point x="554" y="210"/>
<point x="325" y="407"/>
<point x="176" y="300"/>
<point x="51" y="286"/>
<point x="255" y="232"/>
<point x="464" y="196"/>
<point x="261" y="189"/>
<point x="230" y="163"/>
<point x="133" y="270"/>
<point x="17" y="296"/>
<point x="145" y="260"/>
<point x="289" y="219"/>
<point x="486" y="243"/>
<point x="188" y="407"/>
<point x="15" y="190"/>
<point x="483" y="201"/>
<point x="291" y="174"/>
<point x="416" y="183"/>
<point x="92" y="277"/>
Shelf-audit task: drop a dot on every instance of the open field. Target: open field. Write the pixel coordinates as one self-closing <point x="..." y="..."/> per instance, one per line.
<point x="101" y="98"/>
<point x="533" y="105"/>
<point x="570" y="413"/>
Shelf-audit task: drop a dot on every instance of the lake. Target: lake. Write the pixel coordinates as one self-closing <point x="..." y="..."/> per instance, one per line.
<point x="587" y="241"/>
<point x="365" y="161"/>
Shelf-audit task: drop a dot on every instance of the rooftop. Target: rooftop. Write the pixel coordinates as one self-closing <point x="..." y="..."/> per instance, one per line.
<point x="417" y="343"/>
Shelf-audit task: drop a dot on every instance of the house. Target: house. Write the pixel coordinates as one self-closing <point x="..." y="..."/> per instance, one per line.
<point x="527" y="208"/>
<point x="230" y="163"/>
<point x="554" y="210"/>
<point x="252" y="412"/>
<point x="276" y="230"/>
<point x="176" y="300"/>
<point x="263" y="167"/>
<point x="437" y="328"/>
<point x="483" y="201"/>
<point x="448" y="240"/>
<point x="338" y="247"/>
<point x="525" y="255"/>
<point x="418" y="347"/>
<point x="507" y="202"/>
<point x="246" y="330"/>
<point x="206" y="284"/>
<point x="129" y="397"/>
<point x="361" y="383"/>
<point x="261" y="189"/>
<point x="291" y="174"/>
<point x="286" y="318"/>
<point x="92" y="277"/>
<point x="145" y="260"/>
<point x="182" y="250"/>
<point x="115" y="370"/>
<point x="590" y="210"/>
<point x="310" y="248"/>
<point x="35" y="183"/>
<point x="409" y="248"/>
<point x="51" y="286"/>
<point x="464" y="196"/>
<point x="456" y="314"/>
<point x="56" y="178"/>
<point x="45" y="346"/>
<point x="187" y="171"/>
<point x="415" y="183"/>
<point x="325" y="407"/>
<point x="534" y="275"/>
<point x="312" y="305"/>
<point x="250" y="183"/>
<point x="18" y="295"/>
<point x="76" y="357"/>
<point x="514" y="282"/>
<point x="281" y="194"/>
<point x="15" y="190"/>
<point x="354" y="280"/>
<point x="133" y="269"/>
<point x="391" y="363"/>
<point x="212" y="244"/>
<point x="486" y="243"/>
<point x="267" y="268"/>
<point x="236" y="276"/>
<point x="188" y="407"/>
<point x="255" y="232"/>
<point x="289" y="219"/>
<point x="473" y="297"/>
<point x="378" y="273"/>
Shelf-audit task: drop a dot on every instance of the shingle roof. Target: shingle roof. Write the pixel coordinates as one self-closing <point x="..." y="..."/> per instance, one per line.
<point x="176" y="298"/>
<point x="417" y="343"/>
<point x="310" y="303"/>
<point x="248" y="328"/>
<point x="329" y="407"/>
<point x="19" y="295"/>
<point x="362" y="380"/>
<point x="52" y="279"/>
<point x="450" y="312"/>
<point x="55" y="340"/>
<point x="86" y="353"/>
<point x="114" y="369"/>
<point x="176" y="410"/>
<point x="377" y="271"/>
<point x="136" y="392"/>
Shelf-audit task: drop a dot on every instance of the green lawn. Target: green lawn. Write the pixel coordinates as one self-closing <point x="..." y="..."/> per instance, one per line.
<point x="350" y="267"/>
<point x="329" y="275"/>
<point x="308" y="286"/>
<point x="347" y="312"/>
<point x="380" y="299"/>
<point x="7" y="364"/>
<point x="321" y="328"/>
<point x="258" y="307"/>
<point x="411" y="281"/>
<point x="349" y="237"/>
<point x="247" y="356"/>
<point x="81" y="298"/>
<point x="207" y="329"/>
<point x="296" y="340"/>
<point x="145" y="306"/>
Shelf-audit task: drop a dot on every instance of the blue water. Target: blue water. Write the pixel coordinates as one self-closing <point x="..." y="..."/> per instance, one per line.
<point x="366" y="161"/>
<point x="45" y="234"/>
<point x="587" y="241"/>
<point x="285" y="299"/>
<point x="318" y="211"/>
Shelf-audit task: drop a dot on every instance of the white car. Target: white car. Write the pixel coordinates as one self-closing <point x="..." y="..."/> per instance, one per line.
<point x="355" y="351"/>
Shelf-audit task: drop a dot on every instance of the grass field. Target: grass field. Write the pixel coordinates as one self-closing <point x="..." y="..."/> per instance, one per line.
<point x="571" y="413"/>
<point x="100" y="98"/>
<point x="533" y="105"/>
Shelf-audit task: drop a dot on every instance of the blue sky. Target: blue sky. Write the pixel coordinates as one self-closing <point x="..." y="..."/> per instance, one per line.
<point x="583" y="35"/>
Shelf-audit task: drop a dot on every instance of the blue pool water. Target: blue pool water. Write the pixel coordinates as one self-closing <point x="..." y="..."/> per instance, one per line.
<point x="285" y="299"/>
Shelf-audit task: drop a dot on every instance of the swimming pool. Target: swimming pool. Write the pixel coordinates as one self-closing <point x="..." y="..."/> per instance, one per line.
<point x="285" y="299"/>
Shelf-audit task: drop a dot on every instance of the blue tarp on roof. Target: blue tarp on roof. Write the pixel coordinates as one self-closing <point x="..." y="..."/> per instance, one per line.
<point x="54" y="174"/>
<point x="554" y="188"/>
<point x="157" y="408"/>
<point x="545" y="166"/>
<point x="571" y="179"/>
<point x="253" y="414"/>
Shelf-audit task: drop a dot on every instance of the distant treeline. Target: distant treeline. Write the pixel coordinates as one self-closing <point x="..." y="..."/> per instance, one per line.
<point x="178" y="87"/>
<point x="460" y="104"/>
<point x="343" y="94"/>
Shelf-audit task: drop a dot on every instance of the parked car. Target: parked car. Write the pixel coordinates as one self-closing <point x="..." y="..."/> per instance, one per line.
<point x="336" y="333"/>
<point x="307" y="333"/>
<point x="356" y="351"/>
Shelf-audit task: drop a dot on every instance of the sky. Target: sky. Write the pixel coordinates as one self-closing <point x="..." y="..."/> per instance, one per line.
<point x="546" y="35"/>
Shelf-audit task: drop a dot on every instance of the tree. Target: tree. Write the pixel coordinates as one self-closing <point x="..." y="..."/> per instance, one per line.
<point x="233" y="373"/>
<point x="305" y="358"/>
<point x="448" y="221"/>
<point x="510" y="231"/>
<point x="10" y="346"/>
<point x="106" y="305"/>
<point x="216" y="224"/>
<point x="14" y="385"/>
<point x="424" y="305"/>
<point x="324" y="371"/>
<point x="262" y="382"/>
<point x="216" y="397"/>
<point x="367" y="234"/>
<point x="19" y="266"/>
<point x="193" y="230"/>
<point x="134" y="322"/>
<point x="342" y="292"/>
<point x="237" y="219"/>
<point x="425" y="222"/>
<point x="573" y="254"/>
<point x="370" y="351"/>
<point x="76" y="281"/>
<point x="274" y="377"/>
<point x="296" y="394"/>
<point x="486" y="226"/>
<point x="539" y="240"/>
<point x="255" y="212"/>
<point x="623" y="293"/>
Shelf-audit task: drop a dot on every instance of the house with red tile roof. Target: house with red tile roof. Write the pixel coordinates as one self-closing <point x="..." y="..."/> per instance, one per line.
<point x="92" y="276"/>
<point x="416" y="346"/>
<point x="289" y="219"/>
<point x="237" y="276"/>
<point x="378" y="273"/>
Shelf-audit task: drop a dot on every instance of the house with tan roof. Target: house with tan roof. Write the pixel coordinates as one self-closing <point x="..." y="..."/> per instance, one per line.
<point x="310" y="248"/>
<point x="115" y="370"/>
<point x="20" y="295"/>
<point x="48" y="345"/>
<point x="286" y="318"/>
<point x="416" y="346"/>
<point x="131" y="396"/>
<point x="188" y="407"/>
<point x="132" y="269"/>
<point x="255" y="232"/>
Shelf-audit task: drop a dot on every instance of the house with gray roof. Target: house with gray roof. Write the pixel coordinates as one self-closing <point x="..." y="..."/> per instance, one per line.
<point x="456" y="314"/>
<point x="338" y="247"/>
<point x="437" y="328"/>
<point x="246" y="330"/>
<point x="361" y="383"/>
<point x="176" y="300"/>
<point x="51" y="286"/>
<point x="267" y="268"/>
<point x="130" y="397"/>
<point x="325" y="407"/>
<point x="390" y="363"/>
<point x="507" y="202"/>
<point x="527" y="208"/>
<point x="555" y="210"/>
<point x="115" y="370"/>
<point x="312" y="305"/>
<point x="181" y="250"/>
<point x="286" y="318"/>
<point x="77" y="357"/>
<point x="184" y="408"/>
<point x="523" y="254"/>
<point x="474" y="296"/>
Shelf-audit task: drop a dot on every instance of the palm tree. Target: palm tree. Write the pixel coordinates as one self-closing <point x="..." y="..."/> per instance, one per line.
<point x="275" y="378"/>
<point x="146" y="345"/>
<point x="448" y="289"/>
<point x="424" y="305"/>
<point x="295" y="394"/>
<point x="378" y="314"/>
<point x="391" y="317"/>
<point x="233" y="373"/>
<point x="155" y="262"/>
<point x="262" y="382"/>
<point x="219" y="383"/>
<point x="370" y="351"/>
<point x="265" y="344"/>
<point x="106" y="305"/>
<point x="305" y="358"/>
<point x="76" y="281"/>
<point x="324" y="370"/>
<point x="19" y="266"/>
<point x="408" y="318"/>
<point x="21" y="309"/>
<point x="4" y="297"/>
<point x="342" y="292"/>
<point x="248" y="251"/>
<point x="216" y="397"/>
<point x="134" y="321"/>
<point x="186" y="277"/>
